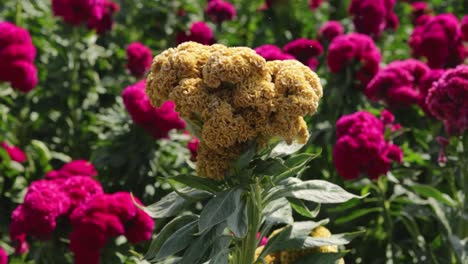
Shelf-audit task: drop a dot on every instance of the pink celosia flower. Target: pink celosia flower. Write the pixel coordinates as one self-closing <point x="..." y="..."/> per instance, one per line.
<point x="77" y="12"/>
<point x="106" y="21"/>
<point x="330" y="30"/>
<point x="305" y="51"/>
<point x="264" y="240"/>
<point x="139" y="58"/>
<point x="3" y="256"/>
<point x="314" y="4"/>
<point x="419" y="9"/>
<point x="15" y="153"/>
<point x="464" y="28"/>
<point x="448" y="100"/>
<point x="271" y="52"/>
<point x="73" y="168"/>
<point x="192" y="146"/>
<point x="156" y="121"/>
<point x="103" y="217"/>
<point x="398" y="84"/>
<point x="199" y="32"/>
<point x="220" y="10"/>
<point x="439" y="40"/>
<point x="361" y="147"/>
<point x="17" y="55"/>
<point x="371" y="17"/>
<point x="354" y="47"/>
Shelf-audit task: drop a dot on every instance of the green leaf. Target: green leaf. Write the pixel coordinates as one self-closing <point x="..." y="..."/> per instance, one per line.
<point x="244" y="160"/>
<point x="237" y="222"/>
<point x="300" y="207"/>
<point x="219" y="208"/>
<point x="300" y="159"/>
<point x="269" y="167"/>
<point x="317" y="191"/>
<point x="354" y="214"/>
<point x="197" y="182"/>
<point x="201" y="245"/>
<point x="179" y="240"/>
<point x="43" y="152"/>
<point x="429" y="191"/>
<point x="321" y="258"/>
<point x="166" y="232"/>
<point x="220" y="250"/>
<point x="278" y="212"/>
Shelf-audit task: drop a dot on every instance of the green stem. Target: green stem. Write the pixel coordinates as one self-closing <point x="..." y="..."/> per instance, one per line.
<point x="254" y="211"/>
<point x="388" y="221"/>
<point x="463" y="224"/>
<point x="19" y="10"/>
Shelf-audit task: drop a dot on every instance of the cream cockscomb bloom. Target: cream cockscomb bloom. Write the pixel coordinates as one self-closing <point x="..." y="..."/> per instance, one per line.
<point x="234" y="96"/>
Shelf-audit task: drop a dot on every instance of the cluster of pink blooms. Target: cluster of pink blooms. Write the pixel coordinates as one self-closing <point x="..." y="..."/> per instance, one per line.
<point x="71" y="192"/>
<point x="302" y="49"/>
<point x="3" y="256"/>
<point x="439" y="40"/>
<point x="220" y="10"/>
<point x="97" y="14"/>
<point x="104" y="217"/>
<point x="448" y="100"/>
<point x="330" y="30"/>
<point x="346" y="49"/>
<point x="139" y="58"/>
<point x="17" y="55"/>
<point x="156" y="121"/>
<point x="361" y="147"/>
<point x="15" y="153"/>
<point x="199" y="32"/>
<point x="403" y="83"/>
<point x="372" y="17"/>
<point x="419" y="12"/>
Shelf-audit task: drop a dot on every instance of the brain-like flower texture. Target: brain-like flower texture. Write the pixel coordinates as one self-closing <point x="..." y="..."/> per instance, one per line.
<point x="347" y="49"/>
<point x="232" y="96"/>
<point x="330" y="30"/>
<point x="361" y="146"/>
<point x="371" y="17"/>
<point x="139" y="58"/>
<point x="448" y="100"/>
<point x="220" y="10"/>
<point x="17" y="55"/>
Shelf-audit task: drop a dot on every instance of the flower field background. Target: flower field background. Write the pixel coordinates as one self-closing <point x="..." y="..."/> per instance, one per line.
<point x="83" y="147"/>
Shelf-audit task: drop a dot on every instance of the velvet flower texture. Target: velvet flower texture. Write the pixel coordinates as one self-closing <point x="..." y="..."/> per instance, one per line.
<point x="330" y="30"/>
<point x="106" y="21"/>
<point x="15" y="153"/>
<point x="305" y="51"/>
<point x="439" y="40"/>
<point x="448" y="100"/>
<point x="345" y="50"/>
<point x="157" y="121"/>
<point x="372" y="17"/>
<point x="402" y="83"/>
<point x="361" y="147"/>
<point x="138" y="58"/>
<point x="220" y="10"/>
<point x="199" y="32"/>
<point x="232" y="96"/>
<point x="17" y="55"/>
<point x="271" y="52"/>
<point x="103" y="217"/>
<point x="48" y="199"/>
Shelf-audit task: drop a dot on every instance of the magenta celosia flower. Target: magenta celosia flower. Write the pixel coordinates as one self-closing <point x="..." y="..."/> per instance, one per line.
<point x="271" y="52"/>
<point x="3" y="256"/>
<point x="103" y="217"/>
<point x="330" y="30"/>
<point x="17" y="55"/>
<point x="106" y="21"/>
<point x="199" y="32"/>
<point x="220" y="10"/>
<point x="354" y="47"/>
<point x="73" y="168"/>
<point x="372" y="17"/>
<point x="192" y="146"/>
<point x="439" y="40"/>
<point x="448" y="100"/>
<point x="314" y="4"/>
<point x="15" y="153"/>
<point x="80" y="189"/>
<point x="156" y="121"/>
<point x="464" y="28"/>
<point x="139" y="58"/>
<point x="419" y="9"/>
<point x="77" y="12"/>
<point x="264" y="240"/>
<point x="398" y="84"/>
<point x="361" y="147"/>
<point x="305" y="51"/>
